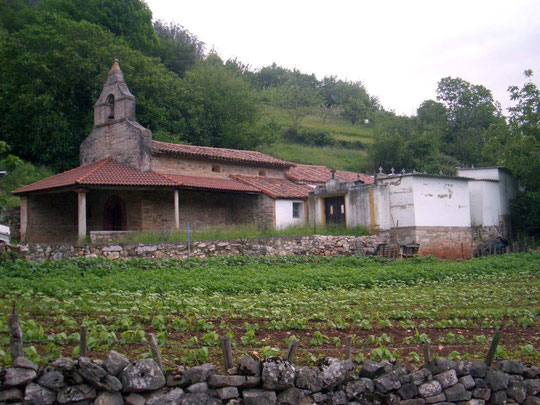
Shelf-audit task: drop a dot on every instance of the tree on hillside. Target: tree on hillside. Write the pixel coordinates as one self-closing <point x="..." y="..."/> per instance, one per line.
<point x="130" y="19"/>
<point x="389" y="146"/>
<point x="519" y="150"/>
<point x="351" y="97"/>
<point x="222" y="109"/>
<point x="178" y="48"/>
<point x="297" y="99"/>
<point x="471" y="110"/>
<point x="432" y="117"/>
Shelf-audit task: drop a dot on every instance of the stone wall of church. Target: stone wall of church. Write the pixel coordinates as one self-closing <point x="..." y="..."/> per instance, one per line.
<point x="52" y="217"/>
<point x="96" y="201"/>
<point x="125" y="141"/>
<point x="170" y="164"/>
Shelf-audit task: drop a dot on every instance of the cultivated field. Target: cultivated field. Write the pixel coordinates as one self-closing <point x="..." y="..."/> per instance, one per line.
<point x="390" y="308"/>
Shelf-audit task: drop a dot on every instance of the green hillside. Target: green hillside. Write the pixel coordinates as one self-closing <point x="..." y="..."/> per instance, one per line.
<point x="348" y="154"/>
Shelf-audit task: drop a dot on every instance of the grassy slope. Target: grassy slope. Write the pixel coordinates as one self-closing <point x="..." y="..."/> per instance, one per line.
<point x="334" y="157"/>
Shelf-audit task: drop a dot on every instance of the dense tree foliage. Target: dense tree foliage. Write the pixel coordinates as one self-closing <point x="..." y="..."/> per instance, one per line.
<point x="178" y="48"/>
<point x="129" y="19"/>
<point x="221" y="108"/>
<point x="54" y="67"/>
<point x="471" y="110"/>
<point x="51" y="75"/>
<point x="519" y="150"/>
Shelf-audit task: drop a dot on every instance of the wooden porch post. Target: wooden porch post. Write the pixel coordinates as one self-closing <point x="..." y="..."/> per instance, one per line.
<point x="81" y="194"/>
<point x="177" y="209"/>
<point x="24" y="218"/>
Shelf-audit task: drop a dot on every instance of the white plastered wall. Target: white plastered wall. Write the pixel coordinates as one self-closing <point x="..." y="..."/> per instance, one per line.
<point x="440" y="201"/>
<point x="284" y="213"/>
<point x="401" y="198"/>
<point x="485" y="202"/>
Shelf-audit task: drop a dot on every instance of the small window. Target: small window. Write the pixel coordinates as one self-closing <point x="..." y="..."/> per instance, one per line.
<point x="216" y="168"/>
<point x="296" y="209"/>
<point x="262" y="173"/>
<point x="110" y="103"/>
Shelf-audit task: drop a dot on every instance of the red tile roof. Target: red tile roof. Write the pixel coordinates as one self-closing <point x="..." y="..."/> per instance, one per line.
<point x="105" y="172"/>
<point x="312" y="174"/>
<point x="232" y="155"/>
<point x="210" y="183"/>
<point x="275" y="187"/>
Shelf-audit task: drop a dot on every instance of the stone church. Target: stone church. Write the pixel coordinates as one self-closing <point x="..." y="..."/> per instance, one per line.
<point x="129" y="182"/>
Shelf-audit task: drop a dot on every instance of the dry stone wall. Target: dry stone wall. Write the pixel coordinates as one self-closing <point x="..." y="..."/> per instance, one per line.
<point x="321" y="245"/>
<point x="116" y="381"/>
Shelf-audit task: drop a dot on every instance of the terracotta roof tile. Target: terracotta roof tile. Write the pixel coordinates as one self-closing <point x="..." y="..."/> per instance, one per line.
<point x="233" y="155"/>
<point x="275" y="187"/>
<point x="105" y="172"/>
<point x="210" y="183"/>
<point x="312" y="174"/>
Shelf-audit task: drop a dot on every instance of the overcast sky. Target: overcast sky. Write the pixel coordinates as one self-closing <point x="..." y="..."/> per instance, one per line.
<point x="398" y="49"/>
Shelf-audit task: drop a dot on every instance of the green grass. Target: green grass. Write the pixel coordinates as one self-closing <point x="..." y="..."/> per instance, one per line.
<point x="340" y="129"/>
<point x="335" y="158"/>
<point x="244" y="274"/>
<point x="22" y="175"/>
<point x="238" y="232"/>
<point x="389" y="307"/>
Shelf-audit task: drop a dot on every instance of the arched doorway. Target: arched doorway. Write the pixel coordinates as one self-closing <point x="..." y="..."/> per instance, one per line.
<point x="114" y="215"/>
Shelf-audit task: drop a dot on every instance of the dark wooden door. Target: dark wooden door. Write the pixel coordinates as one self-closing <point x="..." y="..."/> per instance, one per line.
<point x="114" y="214"/>
<point x="334" y="210"/>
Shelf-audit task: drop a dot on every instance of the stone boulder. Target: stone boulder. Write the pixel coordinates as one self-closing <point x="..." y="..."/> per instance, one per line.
<point x="357" y="389"/>
<point x="97" y="376"/>
<point x="247" y="365"/>
<point x="64" y="364"/>
<point x="277" y="374"/>
<point x="142" y="375"/>
<point x="172" y="397"/>
<point x="37" y="395"/>
<point x="334" y="372"/>
<point x="372" y="369"/>
<point x="199" y="399"/>
<point x="51" y="378"/>
<point x="387" y="382"/>
<point x="11" y="395"/>
<point x="198" y="374"/>
<point x="114" y="363"/>
<point x="23" y="362"/>
<point x="19" y="376"/>
<point x="259" y="397"/>
<point x="309" y="378"/>
<point x="75" y="394"/>
<point x="109" y="398"/>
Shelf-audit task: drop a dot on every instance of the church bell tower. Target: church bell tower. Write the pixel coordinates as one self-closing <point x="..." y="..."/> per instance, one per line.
<point x="116" y="133"/>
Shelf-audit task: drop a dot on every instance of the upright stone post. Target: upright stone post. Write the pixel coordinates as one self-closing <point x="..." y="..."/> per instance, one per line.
<point x="177" y="209"/>
<point x="15" y="331"/>
<point x="24" y="219"/>
<point x="81" y="200"/>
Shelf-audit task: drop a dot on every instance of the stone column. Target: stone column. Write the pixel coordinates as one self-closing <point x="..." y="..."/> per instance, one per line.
<point x="24" y="219"/>
<point x="81" y="194"/>
<point x="177" y="209"/>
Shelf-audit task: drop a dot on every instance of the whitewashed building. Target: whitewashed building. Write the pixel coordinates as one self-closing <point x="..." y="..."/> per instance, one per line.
<point x="445" y="215"/>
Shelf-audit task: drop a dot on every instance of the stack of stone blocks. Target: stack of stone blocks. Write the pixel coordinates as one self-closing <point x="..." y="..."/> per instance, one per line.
<point x="117" y="381"/>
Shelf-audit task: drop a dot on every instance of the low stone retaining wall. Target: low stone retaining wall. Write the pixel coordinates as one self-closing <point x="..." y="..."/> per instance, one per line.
<point x="116" y="381"/>
<point x="276" y="246"/>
